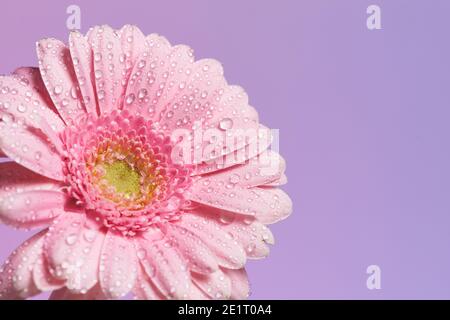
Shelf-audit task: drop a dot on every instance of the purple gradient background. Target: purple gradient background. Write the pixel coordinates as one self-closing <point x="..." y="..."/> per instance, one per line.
<point x="363" y="118"/>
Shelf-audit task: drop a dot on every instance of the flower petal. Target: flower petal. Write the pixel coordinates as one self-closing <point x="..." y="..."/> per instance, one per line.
<point x="228" y="252"/>
<point x="196" y="98"/>
<point x="27" y="199"/>
<point x="265" y="168"/>
<point x="60" y="243"/>
<point x="195" y="252"/>
<point x="65" y="294"/>
<point x="43" y="279"/>
<point x="165" y="267"/>
<point x="231" y="156"/>
<point x="32" y="77"/>
<point x="216" y="285"/>
<point x="282" y="181"/>
<point x="82" y="59"/>
<point x="133" y="42"/>
<point x="144" y="289"/>
<point x="118" y="266"/>
<point x="30" y="148"/>
<point x="111" y="67"/>
<point x="240" y="287"/>
<point x="251" y="234"/>
<point x="23" y="96"/>
<point x="59" y="77"/>
<point x="268" y="205"/>
<point x="87" y="250"/>
<point x="16" y="277"/>
<point x="156" y="79"/>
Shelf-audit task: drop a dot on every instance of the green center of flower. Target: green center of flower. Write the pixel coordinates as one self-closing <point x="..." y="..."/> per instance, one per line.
<point x="120" y="175"/>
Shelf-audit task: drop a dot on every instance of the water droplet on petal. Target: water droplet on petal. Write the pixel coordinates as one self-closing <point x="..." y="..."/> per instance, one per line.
<point x="22" y="108"/>
<point x="234" y="178"/>
<point x="89" y="235"/>
<point x="141" y="64"/>
<point x="57" y="89"/>
<point x="97" y="56"/>
<point x="250" y="247"/>
<point x="71" y="239"/>
<point x="142" y="93"/>
<point x="226" y="217"/>
<point x="226" y="124"/>
<point x="98" y="74"/>
<point x="130" y="98"/>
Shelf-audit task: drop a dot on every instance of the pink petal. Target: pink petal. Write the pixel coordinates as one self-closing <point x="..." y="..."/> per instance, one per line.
<point x="195" y="252"/>
<point x="111" y="67"/>
<point x="87" y="252"/>
<point x="195" y="293"/>
<point x="82" y="59"/>
<point x="157" y="77"/>
<point x="60" y="242"/>
<point x="144" y="288"/>
<point x="118" y="266"/>
<point x="268" y="205"/>
<point x="228" y="252"/>
<point x="65" y="294"/>
<point x="251" y="234"/>
<point x="234" y="103"/>
<point x="253" y="148"/>
<point x="216" y="285"/>
<point x="30" y="148"/>
<point x="196" y="97"/>
<point x="165" y="267"/>
<point x="16" y="277"/>
<point x="133" y="42"/>
<point x="27" y="199"/>
<point x="260" y="170"/>
<point x="240" y="288"/>
<point x="59" y="77"/>
<point x="32" y="76"/>
<point x="24" y="96"/>
<point x="282" y="181"/>
<point x="32" y="209"/>
<point x="43" y="279"/>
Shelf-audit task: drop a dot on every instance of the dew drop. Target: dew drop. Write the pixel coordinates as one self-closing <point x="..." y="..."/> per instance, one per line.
<point x="89" y="235"/>
<point x="226" y="217"/>
<point x="57" y="89"/>
<point x="234" y="178"/>
<point x="250" y="247"/>
<point x="71" y="239"/>
<point x="98" y="74"/>
<point x="226" y="124"/>
<point x="141" y="64"/>
<point x="130" y="98"/>
<point x="97" y="56"/>
<point x="142" y="93"/>
<point x="22" y="108"/>
<point x="169" y="114"/>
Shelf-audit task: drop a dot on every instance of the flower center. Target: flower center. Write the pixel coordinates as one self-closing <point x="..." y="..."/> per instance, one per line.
<point x="119" y="167"/>
<point x="123" y="178"/>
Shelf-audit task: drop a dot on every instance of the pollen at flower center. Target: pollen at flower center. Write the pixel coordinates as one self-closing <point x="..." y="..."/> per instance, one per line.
<point x="120" y="168"/>
<point x="122" y="177"/>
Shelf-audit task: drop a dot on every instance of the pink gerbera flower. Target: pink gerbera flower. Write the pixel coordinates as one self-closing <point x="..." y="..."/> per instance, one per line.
<point x="144" y="169"/>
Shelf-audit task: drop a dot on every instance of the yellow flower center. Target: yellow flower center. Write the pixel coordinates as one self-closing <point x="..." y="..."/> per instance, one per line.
<point x="120" y="175"/>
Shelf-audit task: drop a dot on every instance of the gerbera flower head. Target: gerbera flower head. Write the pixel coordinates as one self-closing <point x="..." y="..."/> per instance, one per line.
<point x="145" y="171"/>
